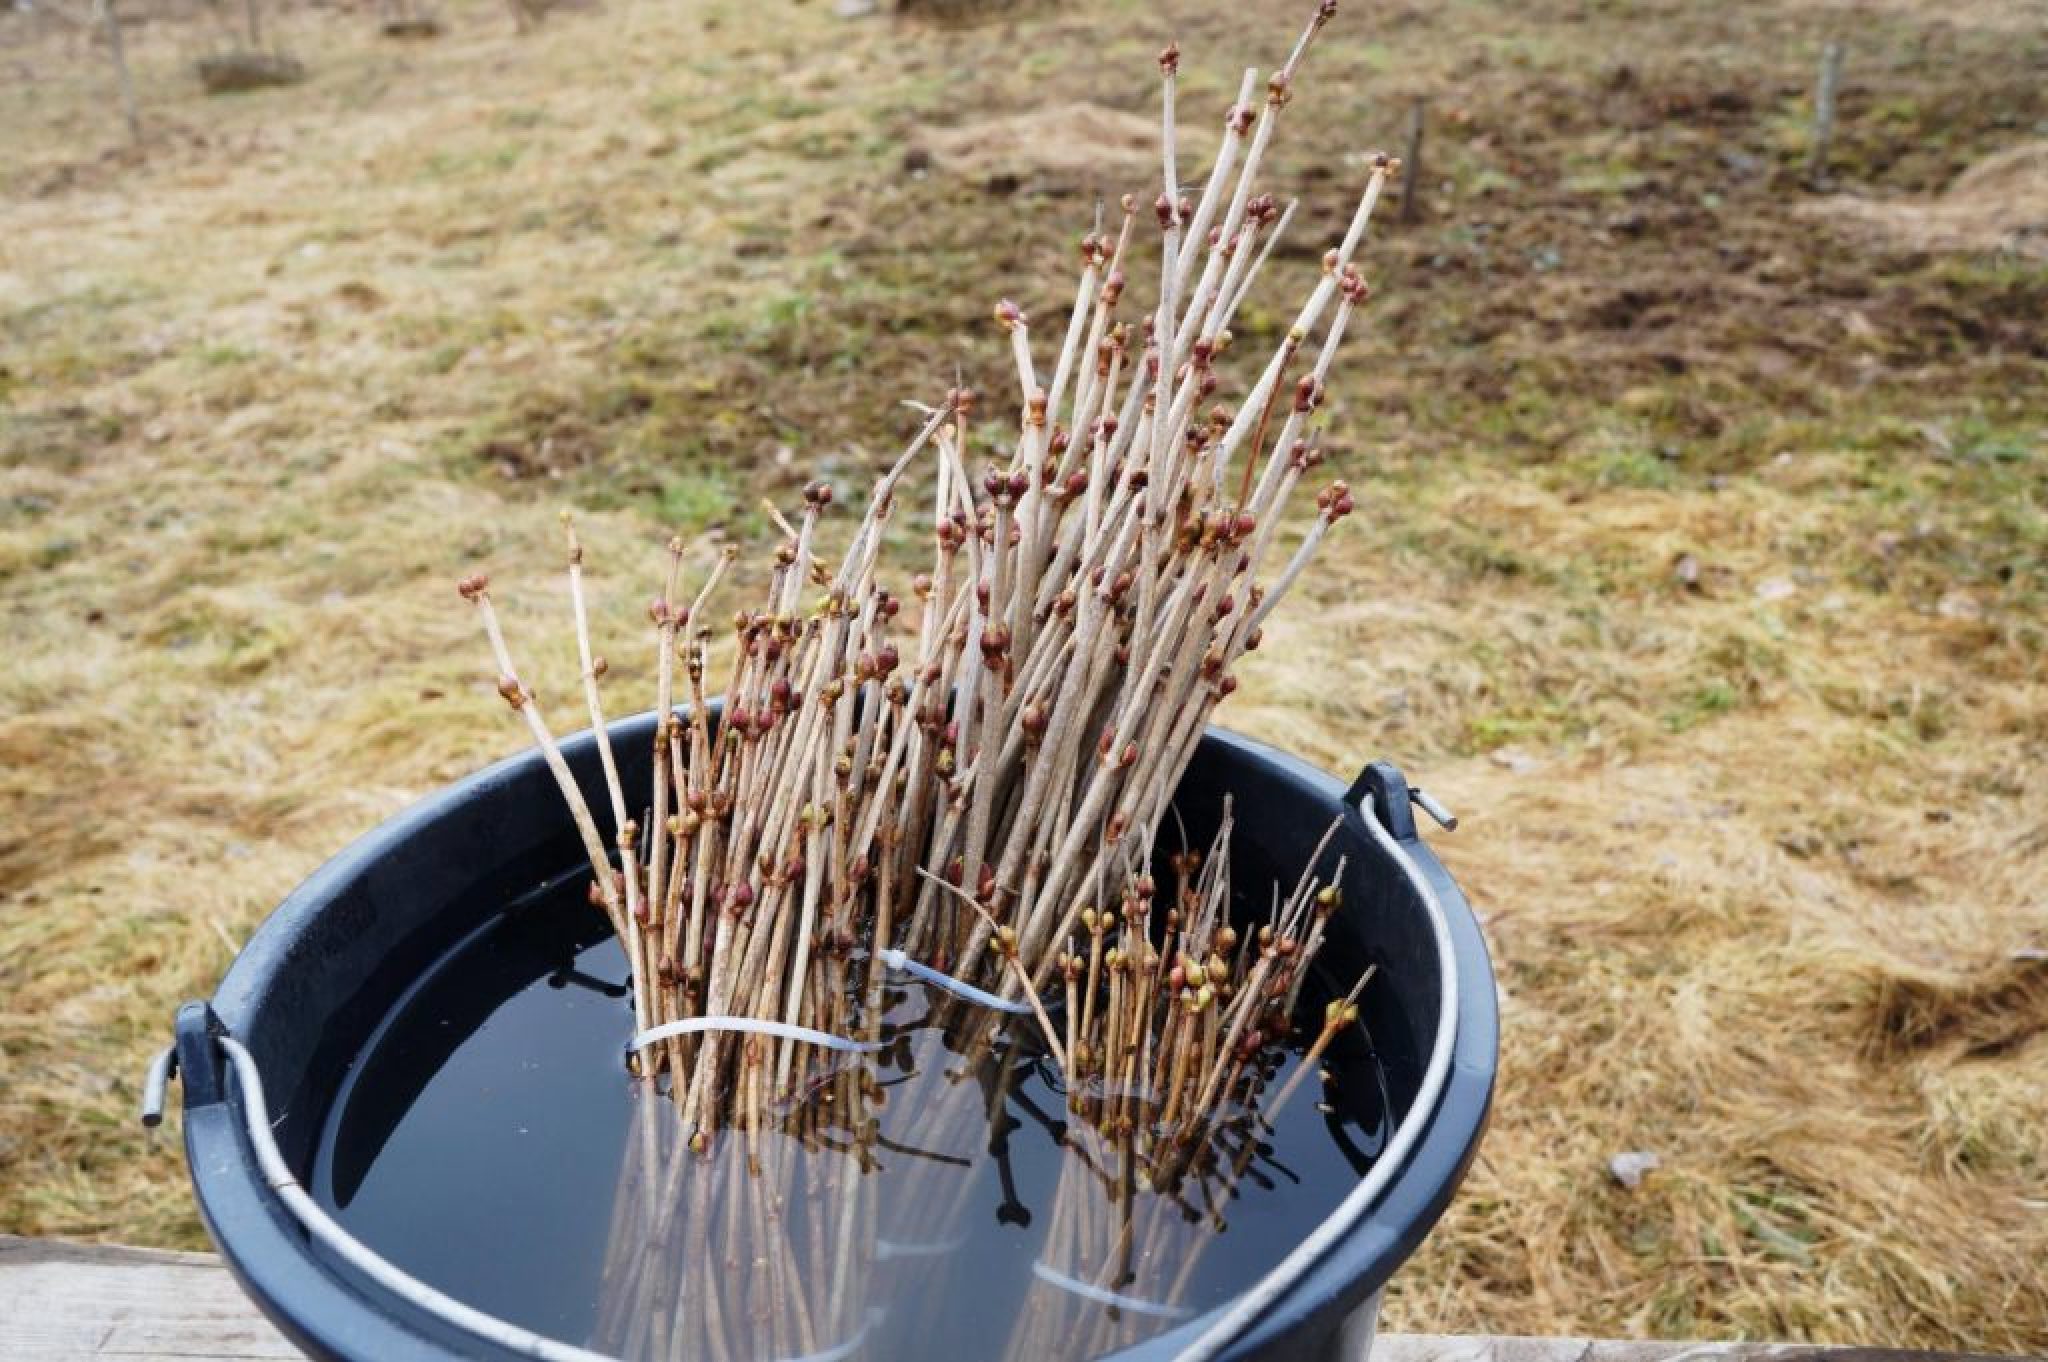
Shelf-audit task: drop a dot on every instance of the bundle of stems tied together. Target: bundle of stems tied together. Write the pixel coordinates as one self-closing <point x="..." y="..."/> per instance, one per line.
<point x="972" y="771"/>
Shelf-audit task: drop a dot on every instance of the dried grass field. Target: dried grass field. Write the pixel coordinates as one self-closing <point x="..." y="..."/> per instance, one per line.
<point x="1701" y="558"/>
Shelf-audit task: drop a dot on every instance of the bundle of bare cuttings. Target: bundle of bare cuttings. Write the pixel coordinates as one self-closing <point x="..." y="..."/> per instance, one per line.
<point x="1174" y="1051"/>
<point x="937" y="785"/>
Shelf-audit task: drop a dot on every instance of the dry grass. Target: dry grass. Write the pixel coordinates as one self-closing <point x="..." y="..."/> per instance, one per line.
<point x="1701" y="565"/>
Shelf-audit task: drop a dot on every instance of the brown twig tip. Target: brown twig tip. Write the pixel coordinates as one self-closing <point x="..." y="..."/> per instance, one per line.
<point x="1009" y="314"/>
<point x="473" y="587"/>
<point x="1335" y="501"/>
<point x="1169" y="59"/>
<point x="818" y="494"/>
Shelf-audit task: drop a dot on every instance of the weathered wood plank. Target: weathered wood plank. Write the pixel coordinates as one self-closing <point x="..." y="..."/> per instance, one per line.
<point x="64" y="1302"/>
<point x="81" y="1302"/>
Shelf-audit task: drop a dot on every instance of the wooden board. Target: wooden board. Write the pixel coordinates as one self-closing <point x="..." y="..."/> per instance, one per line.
<point x="79" y="1301"/>
<point x="64" y="1302"/>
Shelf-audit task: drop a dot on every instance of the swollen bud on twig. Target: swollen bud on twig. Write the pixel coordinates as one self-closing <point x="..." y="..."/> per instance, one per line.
<point x="473" y="586"/>
<point x="1169" y="59"/>
<point x="515" y="695"/>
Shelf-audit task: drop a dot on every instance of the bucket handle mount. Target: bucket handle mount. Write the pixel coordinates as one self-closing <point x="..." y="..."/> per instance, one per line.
<point x="1386" y="792"/>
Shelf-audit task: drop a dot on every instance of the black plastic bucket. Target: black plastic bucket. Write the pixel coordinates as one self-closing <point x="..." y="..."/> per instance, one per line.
<point x="324" y="972"/>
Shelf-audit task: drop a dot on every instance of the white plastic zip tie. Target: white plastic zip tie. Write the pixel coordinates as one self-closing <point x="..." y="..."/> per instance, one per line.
<point x="1241" y="1314"/>
<point x="755" y="1025"/>
<point x="896" y="959"/>
<point x="847" y="1349"/>
<point x="330" y="1235"/>
<point x="1102" y="1296"/>
<point x="891" y="957"/>
<point x="889" y="1250"/>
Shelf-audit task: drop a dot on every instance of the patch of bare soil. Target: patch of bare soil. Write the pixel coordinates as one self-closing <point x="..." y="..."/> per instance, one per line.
<point x="1070" y="146"/>
<point x="1998" y="204"/>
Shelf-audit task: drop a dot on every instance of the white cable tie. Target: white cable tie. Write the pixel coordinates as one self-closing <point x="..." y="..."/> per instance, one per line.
<point x="896" y="959"/>
<point x="852" y="1345"/>
<point x="1103" y="1296"/>
<point x="889" y="1250"/>
<point x="757" y="1026"/>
